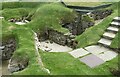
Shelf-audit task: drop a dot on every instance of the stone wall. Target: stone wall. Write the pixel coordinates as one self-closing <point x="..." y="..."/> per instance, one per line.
<point x="7" y="48"/>
<point x="86" y="24"/>
<point x="74" y="27"/>
<point x="79" y="25"/>
<point x="57" y="37"/>
<point x="18" y="63"/>
<point x="62" y="39"/>
<point x="100" y="14"/>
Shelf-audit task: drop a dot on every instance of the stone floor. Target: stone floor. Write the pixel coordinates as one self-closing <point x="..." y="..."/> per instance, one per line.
<point x="53" y="47"/>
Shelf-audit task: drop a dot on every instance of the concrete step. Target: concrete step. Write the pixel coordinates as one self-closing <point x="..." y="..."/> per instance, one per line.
<point x="117" y="18"/>
<point x="114" y="29"/>
<point x="109" y="35"/>
<point x="105" y="42"/>
<point x="115" y="23"/>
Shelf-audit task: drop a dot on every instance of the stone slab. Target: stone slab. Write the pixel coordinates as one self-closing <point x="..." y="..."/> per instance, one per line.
<point x="108" y="55"/>
<point x="109" y="34"/>
<point x="105" y="41"/>
<point x="96" y="49"/>
<point x="117" y="18"/>
<point x="92" y="60"/>
<point x="78" y="53"/>
<point x="2" y="47"/>
<point x="115" y="23"/>
<point x="53" y="47"/>
<point x="113" y="28"/>
<point x="20" y="23"/>
<point x="1" y="17"/>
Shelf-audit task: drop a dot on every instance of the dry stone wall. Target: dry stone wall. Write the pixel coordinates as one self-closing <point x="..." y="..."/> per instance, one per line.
<point x="7" y="48"/>
<point x="100" y="14"/>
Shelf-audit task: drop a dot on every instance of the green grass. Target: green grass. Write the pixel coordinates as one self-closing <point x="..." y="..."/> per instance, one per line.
<point x="51" y="15"/>
<point x="12" y="5"/>
<point x="116" y="41"/>
<point x="64" y="64"/>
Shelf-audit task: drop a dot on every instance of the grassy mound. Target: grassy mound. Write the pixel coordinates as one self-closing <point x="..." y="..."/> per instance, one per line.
<point x="51" y="15"/>
<point x="15" y="13"/>
<point x="12" y="5"/>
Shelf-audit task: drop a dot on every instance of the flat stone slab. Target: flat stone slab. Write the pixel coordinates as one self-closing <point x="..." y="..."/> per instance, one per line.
<point x="109" y="34"/>
<point x="20" y="23"/>
<point x="53" y="47"/>
<point x="79" y="53"/>
<point x="105" y="41"/>
<point x="113" y="28"/>
<point x="92" y="60"/>
<point x="117" y="18"/>
<point x="96" y="49"/>
<point x="108" y="55"/>
<point x="115" y="23"/>
<point x="2" y="47"/>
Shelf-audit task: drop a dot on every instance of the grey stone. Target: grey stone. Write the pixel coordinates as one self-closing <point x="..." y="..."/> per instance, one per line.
<point x="113" y="28"/>
<point x="2" y="47"/>
<point x="79" y="53"/>
<point x="109" y="34"/>
<point x="96" y="49"/>
<point x="92" y="60"/>
<point x="105" y="41"/>
<point x="115" y="23"/>
<point x="117" y="18"/>
<point x="17" y="64"/>
<point x="108" y="55"/>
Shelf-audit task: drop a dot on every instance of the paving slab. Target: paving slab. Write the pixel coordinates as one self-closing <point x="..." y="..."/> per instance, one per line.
<point x="79" y="53"/>
<point x="115" y="23"/>
<point x="108" y="55"/>
<point x="113" y="28"/>
<point x="109" y="34"/>
<point x="105" y="41"/>
<point x="92" y="60"/>
<point x="96" y="49"/>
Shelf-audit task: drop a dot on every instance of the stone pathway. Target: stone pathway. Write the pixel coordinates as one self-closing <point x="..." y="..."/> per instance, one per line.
<point x="96" y="55"/>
